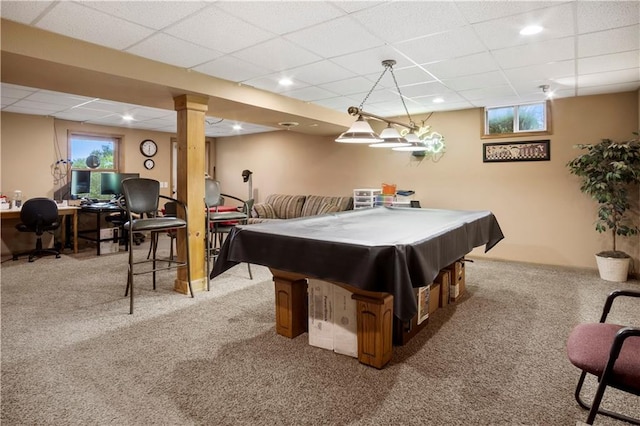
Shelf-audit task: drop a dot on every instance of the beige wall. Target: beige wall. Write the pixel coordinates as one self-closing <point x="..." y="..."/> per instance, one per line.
<point x="30" y="145"/>
<point x="544" y="216"/>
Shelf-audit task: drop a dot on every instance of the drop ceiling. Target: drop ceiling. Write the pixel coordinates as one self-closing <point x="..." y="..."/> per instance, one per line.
<point x="463" y="54"/>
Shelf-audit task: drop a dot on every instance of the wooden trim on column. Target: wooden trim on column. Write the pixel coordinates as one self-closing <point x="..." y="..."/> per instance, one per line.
<point x="191" y="111"/>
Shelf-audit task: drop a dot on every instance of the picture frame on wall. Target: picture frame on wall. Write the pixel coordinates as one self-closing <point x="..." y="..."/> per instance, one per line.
<point x="496" y="152"/>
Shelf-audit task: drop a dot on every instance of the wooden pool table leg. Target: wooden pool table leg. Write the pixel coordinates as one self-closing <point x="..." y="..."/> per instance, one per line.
<point x="374" y="316"/>
<point x="375" y="329"/>
<point x="291" y="303"/>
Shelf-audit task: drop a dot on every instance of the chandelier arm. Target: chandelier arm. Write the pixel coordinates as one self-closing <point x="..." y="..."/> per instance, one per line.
<point x="400" y="93"/>
<point x="357" y="111"/>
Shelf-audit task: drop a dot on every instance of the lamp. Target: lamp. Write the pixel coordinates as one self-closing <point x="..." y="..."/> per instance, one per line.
<point x="390" y="138"/>
<point x="246" y="177"/>
<point x="359" y="132"/>
<point x="412" y="137"/>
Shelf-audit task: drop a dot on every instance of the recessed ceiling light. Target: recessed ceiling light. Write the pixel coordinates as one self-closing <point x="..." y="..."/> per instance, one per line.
<point x="127" y="117"/>
<point x="531" y="29"/>
<point x="285" y="82"/>
<point x="237" y="127"/>
<point x="438" y="100"/>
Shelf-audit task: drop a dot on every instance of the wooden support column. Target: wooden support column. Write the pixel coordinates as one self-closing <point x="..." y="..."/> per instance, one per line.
<point x="291" y="303"/>
<point x="191" y="168"/>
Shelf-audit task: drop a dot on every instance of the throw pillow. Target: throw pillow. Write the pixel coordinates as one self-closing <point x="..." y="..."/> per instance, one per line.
<point x="328" y="208"/>
<point x="264" y="210"/>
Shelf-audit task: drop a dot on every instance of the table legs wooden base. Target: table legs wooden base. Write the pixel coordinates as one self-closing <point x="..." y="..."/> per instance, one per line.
<point x="374" y="316"/>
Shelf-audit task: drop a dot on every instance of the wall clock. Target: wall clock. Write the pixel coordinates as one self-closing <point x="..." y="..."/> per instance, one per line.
<point x="149" y="164"/>
<point x="148" y="148"/>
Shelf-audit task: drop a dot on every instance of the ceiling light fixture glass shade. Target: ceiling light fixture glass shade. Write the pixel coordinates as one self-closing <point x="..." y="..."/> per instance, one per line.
<point x="391" y="139"/>
<point x="359" y="132"/>
<point x="415" y="144"/>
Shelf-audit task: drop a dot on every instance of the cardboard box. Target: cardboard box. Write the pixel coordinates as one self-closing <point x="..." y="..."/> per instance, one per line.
<point x="457" y="287"/>
<point x="444" y="278"/>
<point x="345" y="326"/>
<point x="428" y="299"/>
<point x="320" y="297"/>
<point x="111" y="244"/>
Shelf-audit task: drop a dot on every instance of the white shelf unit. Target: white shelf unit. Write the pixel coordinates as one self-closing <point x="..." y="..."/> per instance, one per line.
<point x="365" y="197"/>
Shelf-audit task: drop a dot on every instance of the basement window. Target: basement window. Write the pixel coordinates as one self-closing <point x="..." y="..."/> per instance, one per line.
<point x="517" y="120"/>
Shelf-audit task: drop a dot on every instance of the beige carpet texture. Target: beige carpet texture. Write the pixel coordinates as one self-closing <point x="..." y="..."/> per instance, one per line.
<point x="72" y="354"/>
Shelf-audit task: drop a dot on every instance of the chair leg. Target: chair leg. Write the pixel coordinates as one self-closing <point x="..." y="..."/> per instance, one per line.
<point x="594" y="408"/>
<point x="249" y="269"/>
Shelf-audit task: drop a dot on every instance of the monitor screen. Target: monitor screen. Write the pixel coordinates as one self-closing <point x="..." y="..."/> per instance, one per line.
<point x="111" y="183"/>
<point x="80" y="183"/>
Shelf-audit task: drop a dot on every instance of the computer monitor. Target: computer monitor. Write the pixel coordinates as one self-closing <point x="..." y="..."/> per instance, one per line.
<point x="111" y="183"/>
<point x="80" y="183"/>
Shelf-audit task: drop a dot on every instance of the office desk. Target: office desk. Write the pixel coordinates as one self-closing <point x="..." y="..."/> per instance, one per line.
<point x="379" y="254"/>
<point x="98" y="209"/>
<point x="68" y="211"/>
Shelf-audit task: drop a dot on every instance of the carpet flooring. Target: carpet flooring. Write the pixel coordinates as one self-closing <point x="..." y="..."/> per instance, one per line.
<point x="72" y="355"/>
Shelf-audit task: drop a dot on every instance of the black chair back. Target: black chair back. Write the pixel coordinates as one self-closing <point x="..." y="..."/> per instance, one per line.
<point x="39" y="214"/>
<point x="141" y="195"/>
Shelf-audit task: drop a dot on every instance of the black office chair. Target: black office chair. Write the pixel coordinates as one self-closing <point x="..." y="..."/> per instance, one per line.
<point x="611" y="352"/>
<point x="213" y="200"/>
<point x="39" y="215"/>
<point x="141" y="200"/>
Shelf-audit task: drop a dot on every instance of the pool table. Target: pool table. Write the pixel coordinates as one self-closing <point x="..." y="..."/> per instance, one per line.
<point x="380" y="254"/>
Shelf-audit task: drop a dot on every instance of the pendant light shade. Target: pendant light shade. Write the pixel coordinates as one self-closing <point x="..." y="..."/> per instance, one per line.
<point x="391" y="138"/>
<point x="415" y="144"/>
<point x="359" y="132"/>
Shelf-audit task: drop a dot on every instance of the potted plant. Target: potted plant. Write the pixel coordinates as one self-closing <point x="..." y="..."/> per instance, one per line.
<point x="610" y="171"/>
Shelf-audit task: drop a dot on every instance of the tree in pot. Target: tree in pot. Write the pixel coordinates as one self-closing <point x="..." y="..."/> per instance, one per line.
<point x="610" y="172"/>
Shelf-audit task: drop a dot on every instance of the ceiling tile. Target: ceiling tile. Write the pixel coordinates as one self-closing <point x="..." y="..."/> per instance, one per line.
<point x="156" y="15"/>
<point x="603" y="15"/>
<point x="505" y="32"/>
<point x="58" y="99"/>
<point x="351" y="6"/>
<point x="287" y="16"/>
<point x="485" y="92"/>
<point x="349" y="86"/>
<point x="610" y="41"/>
<point x="339" y="37"/>
<point x="216" y="29"/>
<point x="468" y="82"/>
<point x="231" y="68"/>
<point x="405" y="20"/>
<point x="310" y="94"/>
<point x="607" y="78"/>
<point x="479" y="11"/>
<point x="23" y="11"/>
<point x="607" y="88"/>
<point x="616" y="61"/>
<point x="77" y="21"/>
<point x="170" y="50"/>
<point x="277" y="54"/>
<point x="466" y="65"/>
<point x="451" y="44"/>
<point x="370" y="60"/>
<point x="270" y="83"/>
<point x="549" y="71"/>
<point x="426" y="89"/>
<point x="42" y="107"/>
<point x="536" y="53"/>
<point x="16" y="92"/>
<point x="320" y="72"/>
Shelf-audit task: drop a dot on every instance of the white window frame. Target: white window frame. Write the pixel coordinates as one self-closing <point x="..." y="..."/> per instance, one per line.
<point x="516" y="131"/>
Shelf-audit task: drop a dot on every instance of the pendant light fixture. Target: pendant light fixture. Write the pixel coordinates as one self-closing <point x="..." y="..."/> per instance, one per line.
<point x="412" y="138"/>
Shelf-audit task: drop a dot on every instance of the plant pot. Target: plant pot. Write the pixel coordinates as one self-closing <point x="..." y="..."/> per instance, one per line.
<point x="613" y="268"/>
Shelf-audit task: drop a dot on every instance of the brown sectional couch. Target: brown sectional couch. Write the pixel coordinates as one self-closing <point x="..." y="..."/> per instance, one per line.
<point x="279" y="206"/>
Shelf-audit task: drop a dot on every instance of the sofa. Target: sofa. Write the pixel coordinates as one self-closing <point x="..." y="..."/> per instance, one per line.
<point x="279" y="207"/>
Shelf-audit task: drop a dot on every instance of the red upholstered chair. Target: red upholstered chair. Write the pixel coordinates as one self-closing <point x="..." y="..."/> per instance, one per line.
<point x="610" y="352"/>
